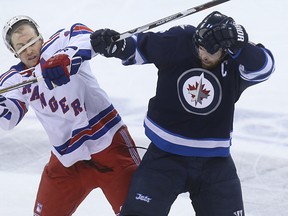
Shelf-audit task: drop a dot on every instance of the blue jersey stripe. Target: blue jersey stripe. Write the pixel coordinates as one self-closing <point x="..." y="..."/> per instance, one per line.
<point x="179" y="145"/>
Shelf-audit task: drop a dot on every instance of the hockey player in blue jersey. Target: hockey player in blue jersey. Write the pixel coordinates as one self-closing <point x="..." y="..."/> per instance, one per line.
<point x="202" y="72"/>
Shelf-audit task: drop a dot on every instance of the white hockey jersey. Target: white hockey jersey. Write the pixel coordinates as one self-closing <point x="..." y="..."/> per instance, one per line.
<point x="78" y="117"/>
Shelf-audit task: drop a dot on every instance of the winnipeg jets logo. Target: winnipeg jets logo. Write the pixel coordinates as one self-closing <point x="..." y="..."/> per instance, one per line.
<point x="143" y="198"/>
<point x="199" y="91"/>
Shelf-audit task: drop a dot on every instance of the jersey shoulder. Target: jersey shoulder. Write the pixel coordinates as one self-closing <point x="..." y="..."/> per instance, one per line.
<point x="14" y="75"/>
<point x="188" y="30"/>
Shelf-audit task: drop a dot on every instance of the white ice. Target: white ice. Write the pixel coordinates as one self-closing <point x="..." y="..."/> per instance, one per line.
<point x="260" y="143"/>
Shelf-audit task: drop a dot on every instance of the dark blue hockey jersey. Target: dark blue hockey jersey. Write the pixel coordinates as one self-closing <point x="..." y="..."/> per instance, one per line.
<point x="192" y="111"/>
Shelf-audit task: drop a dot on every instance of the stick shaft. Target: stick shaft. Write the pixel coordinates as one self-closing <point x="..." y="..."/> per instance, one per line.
<point x="19" y="85"/>
<point x="135" y="31"/>
<point x="168" y="19"/>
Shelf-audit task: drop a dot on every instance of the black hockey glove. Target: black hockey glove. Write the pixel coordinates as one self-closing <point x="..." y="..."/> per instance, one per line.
<point x="230" y="36"/>
<point x="101" y="41"/>
<point x="3" y="108"/>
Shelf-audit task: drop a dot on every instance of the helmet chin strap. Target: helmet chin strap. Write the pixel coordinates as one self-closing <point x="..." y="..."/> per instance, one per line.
<point x="18" y="52"/>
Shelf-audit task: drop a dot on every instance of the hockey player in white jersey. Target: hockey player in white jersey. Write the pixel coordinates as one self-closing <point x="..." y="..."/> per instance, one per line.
<point x="91" y="146"/>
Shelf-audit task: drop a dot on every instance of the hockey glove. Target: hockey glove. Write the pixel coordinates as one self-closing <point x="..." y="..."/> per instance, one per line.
<point x="230" y="36"/>
<point x="3" y="109"/>
<point x="101" y="41"/>
<point x="56" y="70"/>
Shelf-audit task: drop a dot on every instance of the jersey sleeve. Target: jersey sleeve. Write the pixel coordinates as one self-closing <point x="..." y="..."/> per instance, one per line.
<point x="159" y="47"/>
<point x="80" y="38"/>
<point x="74" y="42"/>
<point x="17" y="108"/>
<point x="256" y="63"/>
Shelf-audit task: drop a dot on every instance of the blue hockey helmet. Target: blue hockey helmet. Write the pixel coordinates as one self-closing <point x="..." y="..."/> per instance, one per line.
<point x="212" y="20"/>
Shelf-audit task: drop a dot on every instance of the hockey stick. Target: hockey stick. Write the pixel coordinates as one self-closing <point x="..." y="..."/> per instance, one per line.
<point x="168" y="19"/>
<point x="19" y="85"/>
<point x="132" y="32"/>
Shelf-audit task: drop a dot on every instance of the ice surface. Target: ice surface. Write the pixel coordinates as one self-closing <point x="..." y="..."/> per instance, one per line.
<point x="260" y="143"/>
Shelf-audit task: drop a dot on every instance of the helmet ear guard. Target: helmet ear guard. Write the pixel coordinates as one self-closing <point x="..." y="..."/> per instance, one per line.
<point x="209" y="22"/>
<point x="12" y="25"/>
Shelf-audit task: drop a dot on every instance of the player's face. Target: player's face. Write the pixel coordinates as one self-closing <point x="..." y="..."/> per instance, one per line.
<point x="208" y="60"/>
<point x="31" y="55"/>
